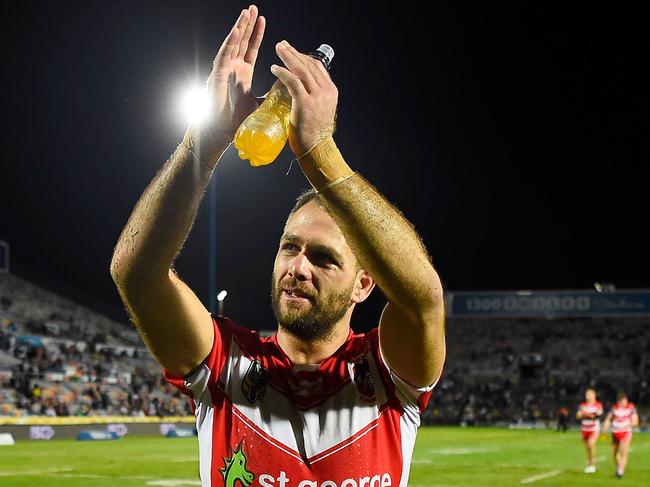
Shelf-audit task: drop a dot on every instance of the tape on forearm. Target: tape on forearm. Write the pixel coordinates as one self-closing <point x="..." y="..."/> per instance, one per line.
<point x="335" y="182"/>
<point x="208" y="154"/>
<point x="324" y="165"/>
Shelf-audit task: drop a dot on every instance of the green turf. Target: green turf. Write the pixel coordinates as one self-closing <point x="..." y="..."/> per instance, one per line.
<point x="487" y="457"/>
<point x="443" y="457"/>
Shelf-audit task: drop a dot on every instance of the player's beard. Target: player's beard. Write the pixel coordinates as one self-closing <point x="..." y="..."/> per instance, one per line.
<point x="318" y="320"/>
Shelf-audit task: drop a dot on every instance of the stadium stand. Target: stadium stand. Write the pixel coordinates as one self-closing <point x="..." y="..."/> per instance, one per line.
<point x="524" y="370"/>
<point x="58" y="358"/>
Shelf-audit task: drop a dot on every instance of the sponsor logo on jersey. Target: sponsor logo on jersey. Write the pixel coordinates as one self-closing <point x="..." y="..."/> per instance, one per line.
<point x="254" y="384"/>
<point x="307" y="388"/>
<point x="282" y="480"/>
<point x="236" y="474"/>
<point x="234" y="469"/>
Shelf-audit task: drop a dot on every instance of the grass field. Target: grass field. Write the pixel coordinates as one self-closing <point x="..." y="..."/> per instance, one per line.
<point x="444" y="457"/>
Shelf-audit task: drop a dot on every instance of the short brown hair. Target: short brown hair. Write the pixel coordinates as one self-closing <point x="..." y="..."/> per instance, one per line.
<point x="303" y="198"/>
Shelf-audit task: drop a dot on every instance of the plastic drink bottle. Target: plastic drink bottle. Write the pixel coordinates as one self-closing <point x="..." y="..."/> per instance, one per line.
<point x="262" y="135"/>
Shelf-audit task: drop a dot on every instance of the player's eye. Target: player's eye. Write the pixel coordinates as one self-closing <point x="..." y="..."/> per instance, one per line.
<point x="323" y="259"/>
<point x="289" y="247"/>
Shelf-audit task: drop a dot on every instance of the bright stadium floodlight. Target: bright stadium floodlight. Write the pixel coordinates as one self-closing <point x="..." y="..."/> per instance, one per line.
<point x="194" y="104"/>
<point x="220" y="297"/>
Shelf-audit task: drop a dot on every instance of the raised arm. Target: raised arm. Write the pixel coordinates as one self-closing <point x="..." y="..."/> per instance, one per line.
<point x="411" y="330"/>
<point x="174" y="324"/>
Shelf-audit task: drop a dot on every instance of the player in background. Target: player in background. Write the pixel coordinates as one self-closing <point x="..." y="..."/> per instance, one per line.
<point x="622" y="418"/>
<point x="589" y="413"/>
<point x="562" y="419"/>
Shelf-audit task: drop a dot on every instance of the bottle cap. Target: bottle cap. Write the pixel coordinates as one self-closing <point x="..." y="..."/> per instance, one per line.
<point x="325" y="53"/>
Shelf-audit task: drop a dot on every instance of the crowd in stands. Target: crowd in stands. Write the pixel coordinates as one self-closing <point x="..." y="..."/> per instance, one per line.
<point x="60" y="359"/>
<point x="525" y="371"/>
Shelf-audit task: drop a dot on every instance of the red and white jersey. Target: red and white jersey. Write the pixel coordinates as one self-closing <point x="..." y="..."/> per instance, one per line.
<point x="346" y="422"/>
<point x="589" y="424"/>
<point x="622" y="417"/>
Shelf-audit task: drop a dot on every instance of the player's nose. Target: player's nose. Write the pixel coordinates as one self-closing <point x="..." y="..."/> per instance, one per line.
<point x="300" y="267"/>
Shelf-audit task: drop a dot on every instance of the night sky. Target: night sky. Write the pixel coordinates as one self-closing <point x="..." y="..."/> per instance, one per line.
<point x="520" y="157"/>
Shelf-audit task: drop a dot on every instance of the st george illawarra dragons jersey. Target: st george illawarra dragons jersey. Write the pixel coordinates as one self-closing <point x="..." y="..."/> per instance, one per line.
<point x="263" y="421"/>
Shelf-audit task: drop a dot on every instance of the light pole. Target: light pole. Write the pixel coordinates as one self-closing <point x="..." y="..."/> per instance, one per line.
<point x="220" y="297"/>
<point x="195" y="107"/>
<point x="212" y="229"/>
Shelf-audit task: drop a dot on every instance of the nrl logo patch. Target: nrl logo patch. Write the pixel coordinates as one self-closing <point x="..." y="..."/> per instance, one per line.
<point x="254" y="384"/>
<point x="362" y="378"/>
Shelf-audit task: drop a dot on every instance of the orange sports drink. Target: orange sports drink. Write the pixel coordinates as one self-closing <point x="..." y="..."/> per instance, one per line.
<point x="263" y="134"/>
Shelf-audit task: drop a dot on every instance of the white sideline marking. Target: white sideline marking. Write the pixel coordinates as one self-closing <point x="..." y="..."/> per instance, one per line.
<point x="99" y="476"/>
<point x="35" y="472"/>
<point x="552" y="473"/>
<point x="461" y="451"/>
<point x="174" y="482"/>
<point x="541" y="476"/>
<point x="154" y="481"/>
<point x="62" y="473"/>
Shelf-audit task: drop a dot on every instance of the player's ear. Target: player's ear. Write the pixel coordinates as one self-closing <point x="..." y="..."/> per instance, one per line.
<point x="364" y="284"/>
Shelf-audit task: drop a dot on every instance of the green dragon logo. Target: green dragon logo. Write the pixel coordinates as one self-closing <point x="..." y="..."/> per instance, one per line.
<point x="235" y="469"/>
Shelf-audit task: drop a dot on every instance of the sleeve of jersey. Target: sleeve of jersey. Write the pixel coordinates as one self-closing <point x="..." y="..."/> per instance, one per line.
<point x="406" y="393"/>
<point x="204" y="377"/>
